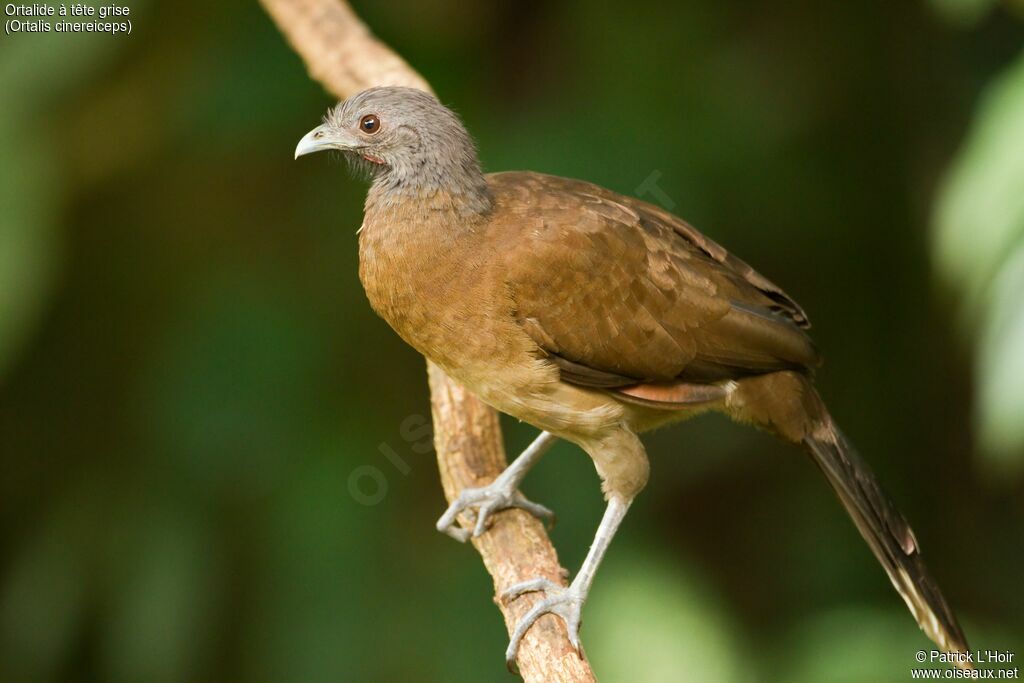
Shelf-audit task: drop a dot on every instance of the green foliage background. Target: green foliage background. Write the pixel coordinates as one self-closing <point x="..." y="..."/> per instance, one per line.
<point x="191" y="381"/>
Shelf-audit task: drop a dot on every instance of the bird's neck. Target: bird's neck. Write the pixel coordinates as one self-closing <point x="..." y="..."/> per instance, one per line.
<point x="422" y="222"/>
<point x="453" y="184"/>
<point x="415" y="225"/>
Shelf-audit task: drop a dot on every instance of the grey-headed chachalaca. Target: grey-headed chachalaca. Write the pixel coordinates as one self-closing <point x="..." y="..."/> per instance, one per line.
<point x="594" y="317"/>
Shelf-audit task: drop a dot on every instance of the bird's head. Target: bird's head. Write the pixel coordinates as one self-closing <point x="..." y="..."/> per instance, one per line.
<point x="407" y="141"/>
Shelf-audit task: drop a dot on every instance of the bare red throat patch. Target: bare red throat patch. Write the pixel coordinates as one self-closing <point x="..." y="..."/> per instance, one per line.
<point x="373" y="159"/>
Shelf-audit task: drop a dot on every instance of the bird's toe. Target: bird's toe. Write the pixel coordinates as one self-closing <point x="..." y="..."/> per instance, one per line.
<point x="559" y="600"/>
<point x="480" y="504"/>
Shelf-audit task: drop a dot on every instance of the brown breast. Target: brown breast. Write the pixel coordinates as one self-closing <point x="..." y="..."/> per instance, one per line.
<point x="424" y="273"/>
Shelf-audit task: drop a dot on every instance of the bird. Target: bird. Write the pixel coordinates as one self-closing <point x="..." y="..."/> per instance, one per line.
<point x="594" y="317"/>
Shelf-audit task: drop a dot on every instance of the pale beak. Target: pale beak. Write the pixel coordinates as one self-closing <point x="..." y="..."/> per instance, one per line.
<point x="321" y="138"/>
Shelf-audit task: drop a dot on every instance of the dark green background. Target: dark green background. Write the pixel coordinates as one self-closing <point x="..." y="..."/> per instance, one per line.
<point x="190" y="373"/>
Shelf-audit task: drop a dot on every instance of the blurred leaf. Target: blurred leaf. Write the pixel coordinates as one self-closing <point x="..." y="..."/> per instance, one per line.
<point x="979" y="237"/>
<point x="666" y="620"/>
<point x="980" y="213"/>
<point x="853" y="645"/>
<point x="1000" y="370"/>
<point x="962" y="12"/>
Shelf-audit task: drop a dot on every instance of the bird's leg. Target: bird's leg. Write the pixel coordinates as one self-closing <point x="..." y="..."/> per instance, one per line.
<point x="567" y="602"/>
<point x="500" y="494"/>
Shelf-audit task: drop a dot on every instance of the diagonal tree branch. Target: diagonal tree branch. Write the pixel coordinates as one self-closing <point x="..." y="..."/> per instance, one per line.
<point x="342" y="54"/>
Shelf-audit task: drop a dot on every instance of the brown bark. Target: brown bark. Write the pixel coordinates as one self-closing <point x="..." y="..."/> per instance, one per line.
<point x="342" y="54"/>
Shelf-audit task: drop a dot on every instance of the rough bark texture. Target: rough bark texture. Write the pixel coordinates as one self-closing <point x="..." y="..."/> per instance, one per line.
<point x="342" y="54"/>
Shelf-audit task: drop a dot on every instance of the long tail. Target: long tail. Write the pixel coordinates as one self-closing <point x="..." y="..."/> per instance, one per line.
<point x="887" y="532"/>
<point x="787" y="404"/>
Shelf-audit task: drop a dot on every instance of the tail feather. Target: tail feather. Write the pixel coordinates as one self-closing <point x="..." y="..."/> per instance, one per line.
<point x="886" y="532"/>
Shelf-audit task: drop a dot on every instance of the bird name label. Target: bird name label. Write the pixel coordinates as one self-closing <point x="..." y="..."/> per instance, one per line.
<point x="75" y="17"/>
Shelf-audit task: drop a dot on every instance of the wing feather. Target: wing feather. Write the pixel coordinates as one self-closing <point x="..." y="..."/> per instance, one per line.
<point x="621" y="290"/>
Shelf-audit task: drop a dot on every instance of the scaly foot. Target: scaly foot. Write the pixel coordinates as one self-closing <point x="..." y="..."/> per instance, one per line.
<point x="565" y="602"/>
<point x="484" y="502"/>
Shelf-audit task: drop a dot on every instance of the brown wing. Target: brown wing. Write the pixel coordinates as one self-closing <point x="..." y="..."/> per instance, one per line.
<point x="618" y="291"/>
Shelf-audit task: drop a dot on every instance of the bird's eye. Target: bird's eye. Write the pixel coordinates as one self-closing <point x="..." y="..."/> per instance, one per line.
<point x="369" y="124"/>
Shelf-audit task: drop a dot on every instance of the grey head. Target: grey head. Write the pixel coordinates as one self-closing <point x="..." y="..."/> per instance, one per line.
<point x="411" y="145"/>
